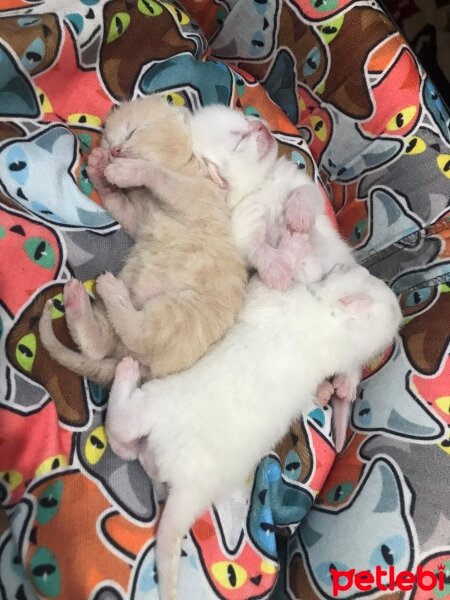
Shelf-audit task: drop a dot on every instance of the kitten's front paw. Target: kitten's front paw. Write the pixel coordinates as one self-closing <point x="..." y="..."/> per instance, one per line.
<point x="110" y="289"/>
<point x="277" y="274"/>
<point x="125" y="172"/>
<point x="301" y="211"/>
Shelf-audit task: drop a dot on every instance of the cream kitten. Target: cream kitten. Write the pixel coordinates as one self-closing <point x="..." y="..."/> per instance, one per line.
<point x="183" y="282"/>
<point x="269" y="196"/>
<point x="224" y="413"/>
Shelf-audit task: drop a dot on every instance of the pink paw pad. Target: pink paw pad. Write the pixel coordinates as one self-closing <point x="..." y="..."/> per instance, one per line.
<point x="75" y="297"/>
<point x="324" y="393"/>
<point x="344" y="388"/>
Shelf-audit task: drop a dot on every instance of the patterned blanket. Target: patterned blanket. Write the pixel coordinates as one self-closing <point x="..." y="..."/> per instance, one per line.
<point x="351" y="106"/>
<point x="426" y="25"/>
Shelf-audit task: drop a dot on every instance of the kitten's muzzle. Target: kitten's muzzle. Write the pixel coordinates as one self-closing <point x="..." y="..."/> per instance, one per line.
<point x="265" y="137"/>
<point x="116" y="151"/>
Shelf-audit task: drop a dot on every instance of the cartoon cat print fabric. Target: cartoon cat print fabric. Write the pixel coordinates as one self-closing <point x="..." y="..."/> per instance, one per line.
<point x="350" y="105"/>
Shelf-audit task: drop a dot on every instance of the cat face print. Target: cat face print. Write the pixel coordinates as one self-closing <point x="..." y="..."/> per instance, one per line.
<point x="394" y="408"/>
<point x="374" y="525"/>
<point x="36" y="173"/>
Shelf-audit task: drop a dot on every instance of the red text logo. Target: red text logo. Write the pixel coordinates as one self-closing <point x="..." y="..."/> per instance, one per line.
<point x="387" y="579"/>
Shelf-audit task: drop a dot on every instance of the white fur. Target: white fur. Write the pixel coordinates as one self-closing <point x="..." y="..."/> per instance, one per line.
<point x="205" y="429"/>
<point x="260" y="187"/>
<point x="267" y="194"/>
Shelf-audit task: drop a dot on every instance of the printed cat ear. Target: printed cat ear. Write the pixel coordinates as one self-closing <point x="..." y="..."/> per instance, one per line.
<point x="356" y="303"/>
<point x="215" y="175"/>
<point x="185" y="114"/>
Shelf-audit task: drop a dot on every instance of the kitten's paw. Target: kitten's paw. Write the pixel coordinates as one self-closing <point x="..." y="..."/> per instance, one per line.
<point x="97" y="162"/>
<point x="277" y="274"/>
<point x="324" y="393"/>
<point x="76" y="299"/>
<point x="111" y="289"/>
<point x="125" y="172"/>
<point x="301" y="211"/>
<point x="128" y="369"/>
<point x="345" y="387"/>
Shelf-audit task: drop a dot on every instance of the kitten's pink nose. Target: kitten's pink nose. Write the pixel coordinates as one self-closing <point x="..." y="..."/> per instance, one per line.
<point x="116" y="151"/>
<point x="258" y="126"/>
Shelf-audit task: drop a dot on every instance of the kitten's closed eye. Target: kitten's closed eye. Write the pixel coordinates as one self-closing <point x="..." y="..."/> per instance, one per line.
<point x="130" y="134"/>
<point x="121" y="140"/>
<point x="237" y="137"/>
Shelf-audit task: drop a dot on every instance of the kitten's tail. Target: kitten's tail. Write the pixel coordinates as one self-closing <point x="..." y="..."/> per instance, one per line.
<point x="341" y="419"/>
<point x="101" y="371"/>
<point x="180" y="511"/>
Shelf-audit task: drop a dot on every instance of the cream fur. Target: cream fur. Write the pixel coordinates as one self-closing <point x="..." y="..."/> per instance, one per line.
<point x="183" y="282"/>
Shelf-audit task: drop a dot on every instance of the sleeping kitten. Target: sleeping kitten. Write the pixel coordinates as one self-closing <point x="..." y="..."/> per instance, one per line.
<point x="268" y="195"/>
<point x="183" y="282"/>
<point x="240" y="398"/>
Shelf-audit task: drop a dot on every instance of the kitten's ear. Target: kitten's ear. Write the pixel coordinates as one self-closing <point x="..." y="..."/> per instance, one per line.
<point x="215" y="175"/>
<point x="355" y="304"/>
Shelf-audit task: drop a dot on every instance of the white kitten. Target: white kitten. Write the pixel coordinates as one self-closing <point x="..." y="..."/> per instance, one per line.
<point x="222" y="415"/>
<point x="267" y="195"/>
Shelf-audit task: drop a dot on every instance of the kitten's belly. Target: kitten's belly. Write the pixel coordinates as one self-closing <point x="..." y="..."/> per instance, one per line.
<point x="144" y="286"/>
<point x="144" y="290"/>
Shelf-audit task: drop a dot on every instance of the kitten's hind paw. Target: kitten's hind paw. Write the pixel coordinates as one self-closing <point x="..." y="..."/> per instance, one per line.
<point x="324" y="393"/>
<point x="75" y="298"/>
<point x="345" y="387"/>
<point x="277" y="275"/>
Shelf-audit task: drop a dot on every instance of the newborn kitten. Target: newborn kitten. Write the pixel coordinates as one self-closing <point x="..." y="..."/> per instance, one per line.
<point x="240" y="398"/>
<point x="267" y="194"/>
<point x="183" y="282"/>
